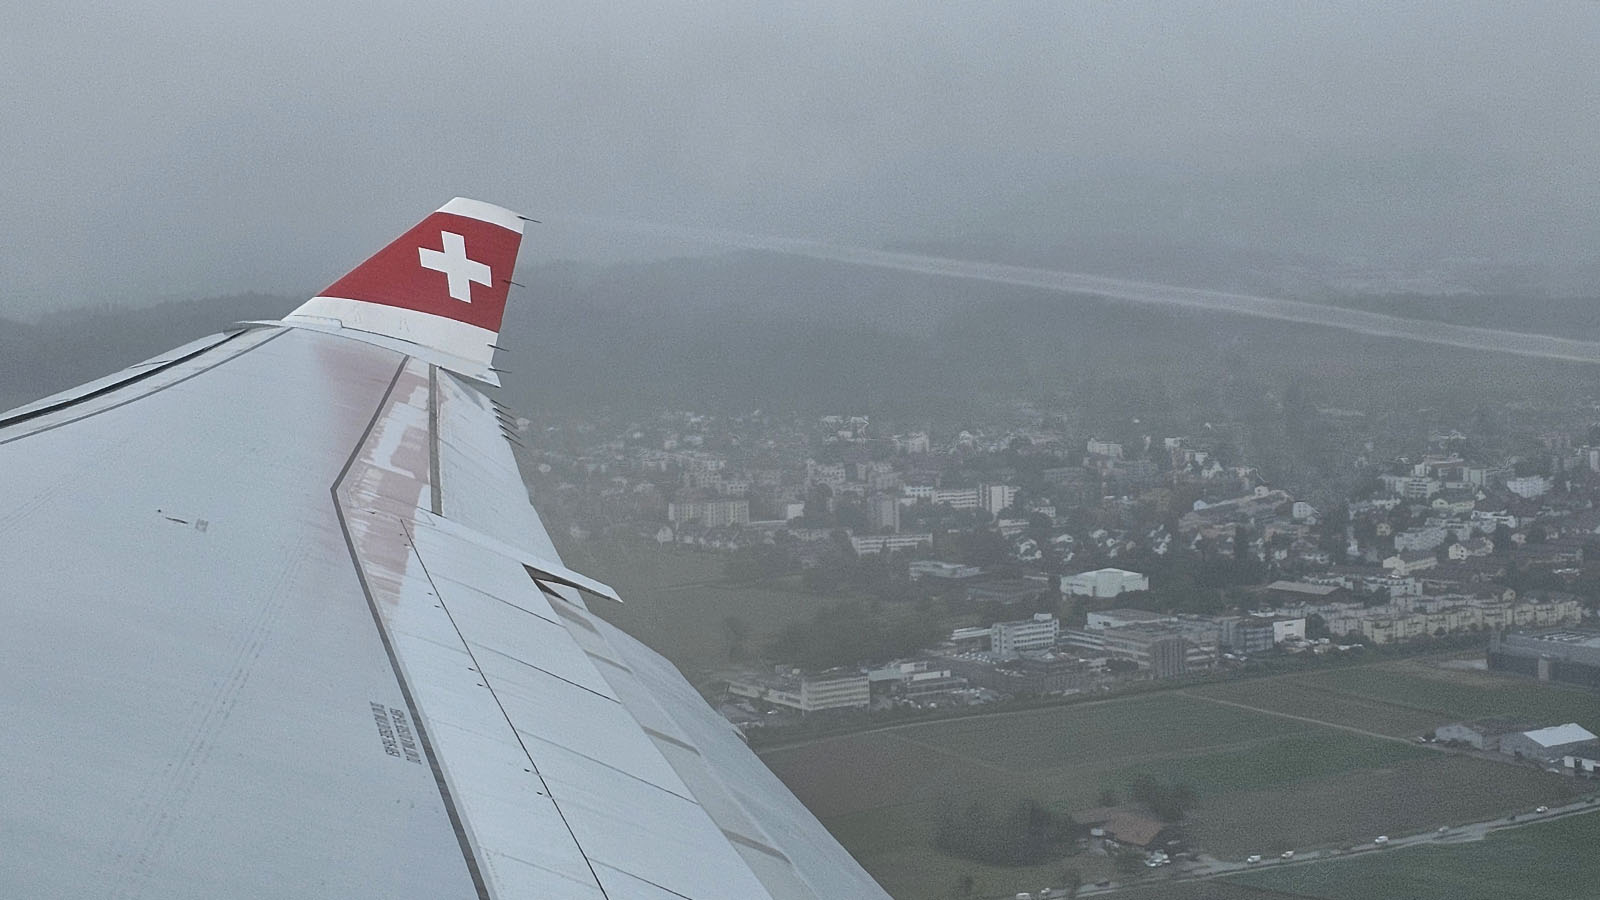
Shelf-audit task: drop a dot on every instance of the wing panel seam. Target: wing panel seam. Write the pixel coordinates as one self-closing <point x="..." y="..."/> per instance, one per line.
<point x="473" y="868"/>
<point x="406" y="527"/>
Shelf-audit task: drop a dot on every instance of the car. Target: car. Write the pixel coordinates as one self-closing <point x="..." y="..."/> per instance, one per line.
<point x="1443" y="829"/>
<point x="1252" y="859"/>
<point x="1381" y="839"/>
<point x="1287" y="854"/>
<point x="1542" y="809"/>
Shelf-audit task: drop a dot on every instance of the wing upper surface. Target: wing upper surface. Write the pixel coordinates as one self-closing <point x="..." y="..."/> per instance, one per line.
<point x="279" y="620"/>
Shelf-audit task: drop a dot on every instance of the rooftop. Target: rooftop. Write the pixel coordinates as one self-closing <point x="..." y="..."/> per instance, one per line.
<point x="1300" y="587"/>
<point x="1571" y="638"/>
<point x="1557" y="735"/>
<point x="1134" y="615"/>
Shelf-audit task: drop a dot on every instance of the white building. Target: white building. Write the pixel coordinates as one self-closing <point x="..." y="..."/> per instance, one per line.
<point x="1103" y="583"/>
<point x="1413" y="540"/>
<point x="1529" y="487"/>
<point x="710" y="513"/>
<point x="1109" y="449"/>
<point x="933" y="568"/>
<point x="993" y="498"/>
<point x="1402" y="564"/>
<point x="915" y="442"/>
<point x="958" y="498"/>
<point x="835" y="689"/>
<point x="877" y="543"/>
<point x="1122" y="618"/>
<point x="1288" y="629"/>
<point x="1037" y="633"/>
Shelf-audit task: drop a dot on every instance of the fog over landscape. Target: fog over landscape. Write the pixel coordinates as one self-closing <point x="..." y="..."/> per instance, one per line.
<point x="159" y="151"/>
<point x="1146" y="449"/>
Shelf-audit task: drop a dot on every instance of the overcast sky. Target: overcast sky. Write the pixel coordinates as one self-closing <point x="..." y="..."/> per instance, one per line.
<point x="185" y="149"/>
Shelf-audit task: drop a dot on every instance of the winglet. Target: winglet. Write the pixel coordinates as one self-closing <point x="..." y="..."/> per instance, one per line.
<point x="437" y="292"/>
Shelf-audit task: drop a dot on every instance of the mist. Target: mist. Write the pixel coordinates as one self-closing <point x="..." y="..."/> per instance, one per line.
<point x="179" y="151"/>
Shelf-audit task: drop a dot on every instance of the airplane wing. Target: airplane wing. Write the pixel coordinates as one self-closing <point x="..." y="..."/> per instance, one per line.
<point x="277" y="620"/>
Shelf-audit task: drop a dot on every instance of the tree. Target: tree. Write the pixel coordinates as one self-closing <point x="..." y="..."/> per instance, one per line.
<point x="737" y="632"/>
<point x="1169" y="801"/>
<point x="1027" y="834"/>
<point x="1317" y="627"/>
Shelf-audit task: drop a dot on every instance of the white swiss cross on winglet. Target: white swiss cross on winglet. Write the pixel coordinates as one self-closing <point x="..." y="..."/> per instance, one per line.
<point x="458" y="268"/>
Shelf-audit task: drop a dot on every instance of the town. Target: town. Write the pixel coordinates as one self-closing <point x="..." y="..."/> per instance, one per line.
<point x="952" y="571"/>
<point x="1067" y="567"/>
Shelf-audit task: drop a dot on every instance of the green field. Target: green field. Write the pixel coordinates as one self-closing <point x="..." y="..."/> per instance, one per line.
<point x="675" y="600"/>
<point x="1549" y="861"/>
<point x="1314" y="759"/>
<point x="1266" y="782"/>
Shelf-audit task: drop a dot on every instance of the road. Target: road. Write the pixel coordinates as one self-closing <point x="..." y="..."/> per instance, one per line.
<point x="1210" y="867"/>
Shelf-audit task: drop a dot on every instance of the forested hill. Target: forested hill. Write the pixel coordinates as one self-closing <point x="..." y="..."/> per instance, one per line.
<point x="754" y="330"/>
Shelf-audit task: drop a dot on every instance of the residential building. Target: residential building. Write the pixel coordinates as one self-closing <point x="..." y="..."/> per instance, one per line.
<point x="933" y="568"/>
<point x="1414" y="540"/>
<point x="995" y="497"/>
<point x="957" y="498"/>
<point x="865" y="544"/>
<point x="710" y="513"/>
<point x="1288" y="592"/>
<point x="1109" y="449"/>
<point x="1528" y="487"/>
<point x="883" y="511"/>
<point x="1402" y="564"/>
<point x="915" y="442"/>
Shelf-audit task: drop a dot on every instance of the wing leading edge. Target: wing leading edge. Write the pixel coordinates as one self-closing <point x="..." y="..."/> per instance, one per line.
<point x="283" y="622"/>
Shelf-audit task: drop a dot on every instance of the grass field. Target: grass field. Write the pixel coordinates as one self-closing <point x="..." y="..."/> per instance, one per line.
<point x="1550" y="861"/>
<point x="1266" y="782"/>
<point x="1320" y="758"/>
<point x="676" y="600"/>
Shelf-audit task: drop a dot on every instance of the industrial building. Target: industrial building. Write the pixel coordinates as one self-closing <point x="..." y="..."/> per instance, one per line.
<point x="1547" y="744"/>
<point x="806" y="692"/>
<point x="1566" y="655"/>
<point x="1121" y="618"/>
<point x="1103" y="583"/>
<point x="1482" y="734"/>
<point x="1037" y="633"/>
<point x="1034" y="672"/>
<point x="1008" y="591"/>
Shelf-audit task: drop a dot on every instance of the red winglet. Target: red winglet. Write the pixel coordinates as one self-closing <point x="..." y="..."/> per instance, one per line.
<point x="442" y="285"/>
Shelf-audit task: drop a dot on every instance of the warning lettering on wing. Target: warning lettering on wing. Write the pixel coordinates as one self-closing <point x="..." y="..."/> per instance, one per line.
<point x="395" y="731"/>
